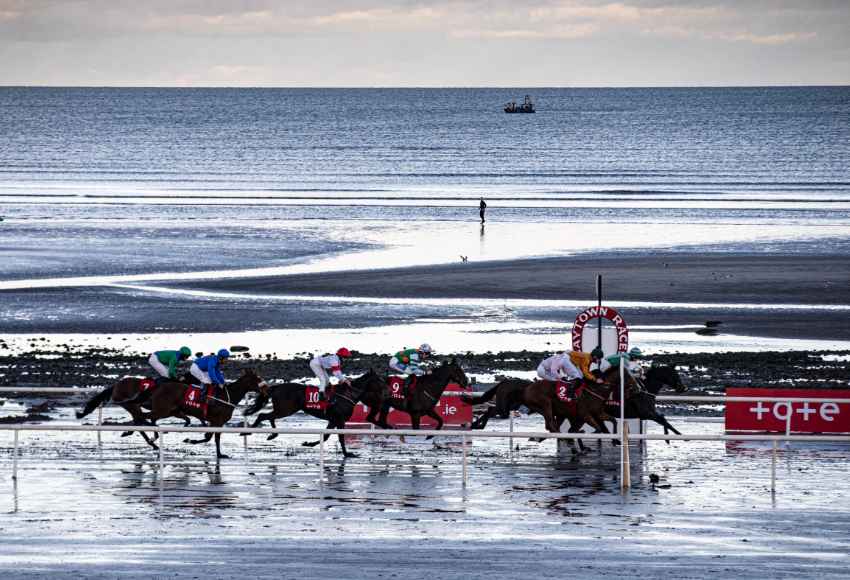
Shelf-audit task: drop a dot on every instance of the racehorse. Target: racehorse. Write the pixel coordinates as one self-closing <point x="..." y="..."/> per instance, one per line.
<point x="508" y="394"/>
<point x="289" y="398"/>
<point x="169" y="400"/>
<point x="642" y="404"/>
<point x="423" y="397"/>
<point x="130" y="393"/>
<point x="542" y="397"/>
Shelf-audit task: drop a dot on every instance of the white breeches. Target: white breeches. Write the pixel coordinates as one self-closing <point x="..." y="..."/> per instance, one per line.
<point x="571" y="372"/>
<point x="396" y="366"/>
<point x="321" y="373"/>
<point x="544" y="373"/>
<point x="200" y="375"/>
<point x="158" y="366"/>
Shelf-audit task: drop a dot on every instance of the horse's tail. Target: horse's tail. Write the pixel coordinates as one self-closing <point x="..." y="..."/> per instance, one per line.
<point x="469" y="399"/>
<point x="96" y="402"/>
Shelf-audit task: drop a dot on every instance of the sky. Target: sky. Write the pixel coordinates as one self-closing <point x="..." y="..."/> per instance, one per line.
<point x="352" y="43"/>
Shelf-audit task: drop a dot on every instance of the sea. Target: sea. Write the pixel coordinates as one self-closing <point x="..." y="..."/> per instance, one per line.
<point x="117" y="187"/>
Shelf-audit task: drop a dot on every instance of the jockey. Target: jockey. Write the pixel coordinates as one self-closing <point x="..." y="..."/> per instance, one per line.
<point x="556" y="366"/>
<point x="321" y="364"/>
<point x="164" y="362"/>
<point x="207" y="369"/>
<point x="629" y="361"/>
<point x="408" y="361"/>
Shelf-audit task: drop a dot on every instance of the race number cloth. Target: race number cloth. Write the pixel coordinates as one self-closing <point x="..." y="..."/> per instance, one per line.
<point x="796" y="417"/>
<point x="192" y="398"/>
<point x="396" y="385"/>
<point x="561" y="389"/>
<point x="146" y="384"/>
<point x="312" y="399"/>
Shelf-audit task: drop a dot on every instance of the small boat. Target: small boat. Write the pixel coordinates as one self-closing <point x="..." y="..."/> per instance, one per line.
<point x="526" y="107"/>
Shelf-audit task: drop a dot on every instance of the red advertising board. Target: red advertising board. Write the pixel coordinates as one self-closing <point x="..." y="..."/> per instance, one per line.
<point x="797" y="417"/>
<point x="455" y="413"/>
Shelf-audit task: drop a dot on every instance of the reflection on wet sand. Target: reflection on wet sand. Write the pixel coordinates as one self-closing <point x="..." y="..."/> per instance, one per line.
<point x="197" y="490"/>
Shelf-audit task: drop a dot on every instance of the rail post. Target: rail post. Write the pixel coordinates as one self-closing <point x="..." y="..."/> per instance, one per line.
<point x="773" y="468"/>
<point x="788" y="424"/>
<point x="161" y="454"/>
<point x="511" y="438"/>
<point x="99" y="423"/>
<point x="15" y="458"/>
<point x="465" y="467"/>
<point x="624" y="441"/>
<point x="245" y="438"/>
<point x="321" y="459"/>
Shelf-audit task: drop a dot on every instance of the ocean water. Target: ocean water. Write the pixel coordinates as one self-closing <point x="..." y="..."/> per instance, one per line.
<point x="114" y="182"/>
<point x="425" y="144"/>
<point x="125" y="190"/>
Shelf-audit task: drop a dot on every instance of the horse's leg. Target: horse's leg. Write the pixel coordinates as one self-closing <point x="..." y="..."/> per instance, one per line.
<point x="662" y="420"/>
<point x="575" y="427"/>
<point x="218" y="453"/>
<point x="481" y="421"/>
<point x="206" y="439"/>
<point x="436" y="416"/>
<point x="138" y="419"/>
<point x="598" y="422"/>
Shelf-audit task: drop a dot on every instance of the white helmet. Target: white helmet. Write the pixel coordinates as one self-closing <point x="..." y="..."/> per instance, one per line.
<point x="426" y="348"/>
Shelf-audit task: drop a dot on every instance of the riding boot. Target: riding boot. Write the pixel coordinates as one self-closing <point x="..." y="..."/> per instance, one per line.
<point x="571" y="389"/>
<point x="203" y="396"/>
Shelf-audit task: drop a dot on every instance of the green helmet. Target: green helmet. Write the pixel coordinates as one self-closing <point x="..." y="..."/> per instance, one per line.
<point x="185" y="352"/>
<point x="635" y="352"/>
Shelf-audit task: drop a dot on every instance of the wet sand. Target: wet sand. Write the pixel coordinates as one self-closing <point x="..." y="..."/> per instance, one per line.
<point x="400" y="511"/>
<point x="660" y="277"/>
<point x="713" y="281"/>
<point x="704" y="278"/>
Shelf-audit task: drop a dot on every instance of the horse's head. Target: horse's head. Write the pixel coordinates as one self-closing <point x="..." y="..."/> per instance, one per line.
<point x="370" y="381"/>
<point x="666" y="376"/>
<point x="453" y="373"/>
<point x="254" y="382"/>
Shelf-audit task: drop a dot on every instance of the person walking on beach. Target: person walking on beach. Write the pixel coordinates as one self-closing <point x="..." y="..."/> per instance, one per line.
<point x="482" y="207"/>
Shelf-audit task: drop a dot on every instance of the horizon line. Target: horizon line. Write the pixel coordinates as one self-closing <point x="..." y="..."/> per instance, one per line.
<point x="420" y="87"/>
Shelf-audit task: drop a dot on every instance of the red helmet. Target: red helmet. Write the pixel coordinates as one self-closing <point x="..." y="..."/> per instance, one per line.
<point x="343" y="352"/>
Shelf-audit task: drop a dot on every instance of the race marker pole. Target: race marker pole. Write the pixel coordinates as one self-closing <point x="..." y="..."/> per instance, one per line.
<point x="245" y="439"/>
<point x="599" y="306"/>
<point x="624" y="468"/>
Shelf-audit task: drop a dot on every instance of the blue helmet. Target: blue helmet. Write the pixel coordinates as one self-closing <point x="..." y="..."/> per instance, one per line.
<point x="223" y="353"/>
